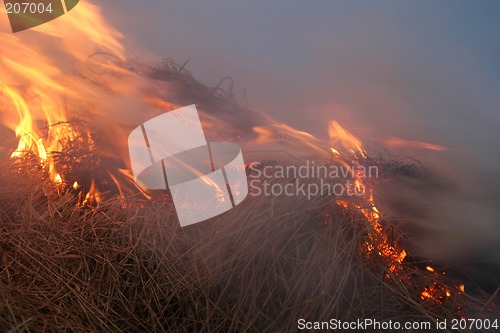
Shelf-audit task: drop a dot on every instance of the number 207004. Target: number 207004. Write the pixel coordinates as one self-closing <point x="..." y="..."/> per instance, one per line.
<point x="28" y="8"/>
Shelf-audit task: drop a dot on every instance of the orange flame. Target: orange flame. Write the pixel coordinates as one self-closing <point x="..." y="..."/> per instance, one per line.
<point x="37" y="77"/>
<point x="93" y="196"/>
<point x="38" y="74"/>
<point x="378" y="242"/>
<point x="339" y="135"/>
<point x="394" y="142"/>
<point x="284" y="134"/>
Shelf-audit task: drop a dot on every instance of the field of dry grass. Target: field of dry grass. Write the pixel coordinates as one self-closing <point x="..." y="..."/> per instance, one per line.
<point x="127" y="266"/>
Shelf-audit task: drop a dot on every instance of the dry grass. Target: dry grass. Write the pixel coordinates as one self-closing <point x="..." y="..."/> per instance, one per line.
<point x="129" y="267"/>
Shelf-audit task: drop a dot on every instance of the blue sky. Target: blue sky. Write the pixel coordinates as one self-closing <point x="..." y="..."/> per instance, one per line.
<point x="420" y="70"/>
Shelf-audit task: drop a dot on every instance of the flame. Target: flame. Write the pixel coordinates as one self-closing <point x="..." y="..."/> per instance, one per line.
<point x="398" y="142"/>
<point x="93" y="196"/>
<point x="57" y="178"/>
<point x="264" y="134"/>
<point x="347" y="150"/>
<point x="128" y="175"/>
<point x="335" y="152"/>
<point x="285" y="134"/>
<point x="377" y="242"/>
<point x="339" y="135"/>
<point x="37" y="78"/>
<point x="42" y="71"/>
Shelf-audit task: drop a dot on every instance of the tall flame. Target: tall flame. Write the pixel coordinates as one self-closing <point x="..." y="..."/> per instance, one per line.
<point x="38" y="73"/>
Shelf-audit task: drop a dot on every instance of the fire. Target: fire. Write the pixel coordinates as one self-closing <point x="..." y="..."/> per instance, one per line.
<point x="93" y="195"/>
<point x="41" y="72"/>
<point x="378" y="242"/>
<point x="335" y="152"/>
<point x="340" y="136"/>
<point x="284" y="134"/>
<point x="398" y="142"/>
<point x="347" y="150"/>
<point x="57" y="178"/>
<point x="264" y="134"/>
<point x="38" y="79"/>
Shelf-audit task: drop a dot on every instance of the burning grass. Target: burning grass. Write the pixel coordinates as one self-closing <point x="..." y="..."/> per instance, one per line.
<point x="84" y="250"/>
<point x="121" y="266"/>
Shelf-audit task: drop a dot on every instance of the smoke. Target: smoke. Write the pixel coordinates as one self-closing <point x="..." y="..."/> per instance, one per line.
<point x="417" y="71"/>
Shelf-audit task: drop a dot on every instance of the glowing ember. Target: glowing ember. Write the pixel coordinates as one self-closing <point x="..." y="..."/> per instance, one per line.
<point x="377" y="242"/>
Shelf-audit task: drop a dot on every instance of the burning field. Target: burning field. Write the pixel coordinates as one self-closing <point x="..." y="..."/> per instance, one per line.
<point x="85" y="249"/>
